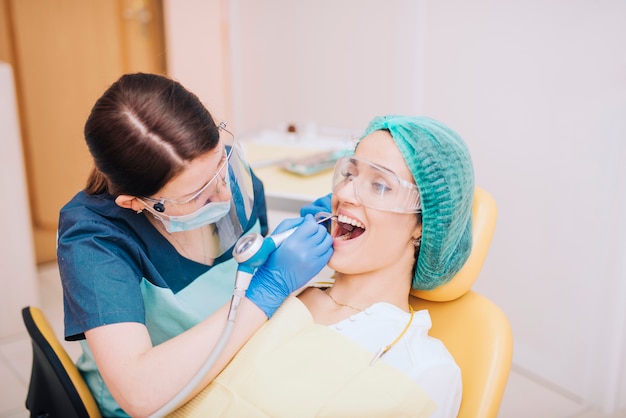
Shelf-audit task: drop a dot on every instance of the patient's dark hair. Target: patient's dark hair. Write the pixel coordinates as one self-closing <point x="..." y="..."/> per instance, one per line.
<point x="142" y="132"/>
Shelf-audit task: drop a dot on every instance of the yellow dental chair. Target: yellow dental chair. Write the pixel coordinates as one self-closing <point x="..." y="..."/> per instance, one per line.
<point x="56" y="387"/>
<point x="474" y="329"/>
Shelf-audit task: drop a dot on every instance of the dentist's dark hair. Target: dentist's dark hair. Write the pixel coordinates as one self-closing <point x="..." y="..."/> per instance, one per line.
<point x="142" y="132"/>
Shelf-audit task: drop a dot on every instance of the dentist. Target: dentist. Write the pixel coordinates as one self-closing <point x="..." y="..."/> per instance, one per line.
<point x="144" y="251"/>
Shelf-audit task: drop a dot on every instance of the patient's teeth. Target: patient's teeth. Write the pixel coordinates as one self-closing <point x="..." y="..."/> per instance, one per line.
<point x="344" y="219"/>
<point x="344" y="237"/>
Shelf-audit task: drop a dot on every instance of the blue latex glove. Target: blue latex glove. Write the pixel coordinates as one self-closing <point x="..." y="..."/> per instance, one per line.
<point x="291" y="265"/>
<point x="322" y="204"/>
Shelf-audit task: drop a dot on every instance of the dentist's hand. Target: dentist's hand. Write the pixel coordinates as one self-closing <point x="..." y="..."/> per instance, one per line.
<point x="291" y="265"/>
<point x="322" y="204"/>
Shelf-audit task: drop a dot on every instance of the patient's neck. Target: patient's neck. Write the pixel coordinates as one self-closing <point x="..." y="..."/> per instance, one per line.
<point x="364" y="290"/>
<point x="353" y="293"/>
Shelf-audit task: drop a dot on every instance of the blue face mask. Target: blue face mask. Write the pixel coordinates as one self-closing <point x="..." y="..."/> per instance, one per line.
<point x="207" y="214"/>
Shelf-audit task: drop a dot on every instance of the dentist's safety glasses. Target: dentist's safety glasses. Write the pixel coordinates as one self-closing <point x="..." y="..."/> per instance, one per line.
<point x="228" y="201"/>
<point x="375" y="186"/>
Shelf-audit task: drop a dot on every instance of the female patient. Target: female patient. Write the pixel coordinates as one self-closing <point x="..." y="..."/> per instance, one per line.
<point x="403" y="220"/>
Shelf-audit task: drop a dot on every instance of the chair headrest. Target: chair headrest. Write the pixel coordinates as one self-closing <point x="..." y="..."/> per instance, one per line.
<point x="484" y="215"/>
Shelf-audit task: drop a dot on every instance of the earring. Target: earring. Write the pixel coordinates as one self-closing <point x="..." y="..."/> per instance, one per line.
<point x="417" y="242"/>
<point x="159" y="207"/>
<point x="139" y="211"/>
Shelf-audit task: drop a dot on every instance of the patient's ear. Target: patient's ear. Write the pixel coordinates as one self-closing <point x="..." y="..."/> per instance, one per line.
<point x="129" y="202"/>
<point x="417" y="232"/>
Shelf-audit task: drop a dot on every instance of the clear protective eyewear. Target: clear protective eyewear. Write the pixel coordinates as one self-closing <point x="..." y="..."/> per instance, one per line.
<point x="375" y="186"/>
<point x="204" y="194"/>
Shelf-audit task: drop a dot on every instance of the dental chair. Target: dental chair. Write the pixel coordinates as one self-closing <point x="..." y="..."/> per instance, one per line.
<point x="56" y="387"/>
<point x="474" y="329"/>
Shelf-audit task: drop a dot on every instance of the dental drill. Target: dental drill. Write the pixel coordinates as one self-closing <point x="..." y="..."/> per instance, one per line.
<point x="250" y="252"/>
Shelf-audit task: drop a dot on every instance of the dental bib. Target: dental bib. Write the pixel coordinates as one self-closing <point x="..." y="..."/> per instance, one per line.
<point x="294" y="367"/>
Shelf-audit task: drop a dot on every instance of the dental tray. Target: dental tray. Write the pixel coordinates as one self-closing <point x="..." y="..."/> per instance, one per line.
<point x="313" y="164"/>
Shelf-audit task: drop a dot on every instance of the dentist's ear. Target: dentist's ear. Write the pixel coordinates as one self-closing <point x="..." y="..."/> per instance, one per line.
<point x="129" y="202"/>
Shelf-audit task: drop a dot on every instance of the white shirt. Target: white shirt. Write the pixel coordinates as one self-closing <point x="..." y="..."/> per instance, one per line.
<point x="424" y="358"/>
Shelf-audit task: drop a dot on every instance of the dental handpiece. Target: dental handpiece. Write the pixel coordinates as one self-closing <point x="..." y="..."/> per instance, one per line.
<point x="319" y="217"/>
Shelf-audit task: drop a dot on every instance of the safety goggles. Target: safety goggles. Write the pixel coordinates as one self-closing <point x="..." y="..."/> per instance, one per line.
<point x="205" y="194"/>
<point x="375" y="186"/>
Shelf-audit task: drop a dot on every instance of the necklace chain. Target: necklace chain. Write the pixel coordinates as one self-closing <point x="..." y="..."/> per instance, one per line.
<point x="341" y="304"/>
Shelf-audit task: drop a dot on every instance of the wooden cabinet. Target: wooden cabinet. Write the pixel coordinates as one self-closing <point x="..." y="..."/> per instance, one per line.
<point x="65" y="53"/>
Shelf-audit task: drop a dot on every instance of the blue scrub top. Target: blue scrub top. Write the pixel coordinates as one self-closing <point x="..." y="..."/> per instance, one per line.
<point x="116" y="267"/>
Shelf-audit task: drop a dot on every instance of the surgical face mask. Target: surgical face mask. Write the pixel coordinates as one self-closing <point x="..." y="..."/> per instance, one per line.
<point x="207" y="214"/>
<point x="375" y="186"/>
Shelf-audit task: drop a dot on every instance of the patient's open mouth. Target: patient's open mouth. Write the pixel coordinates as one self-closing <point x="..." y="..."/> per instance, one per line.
<point x="348" y="228"/>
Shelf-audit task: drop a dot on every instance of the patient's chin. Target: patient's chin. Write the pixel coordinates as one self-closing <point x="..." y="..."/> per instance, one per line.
<point x="335" y="262"/>
<point x="343" y="263"/>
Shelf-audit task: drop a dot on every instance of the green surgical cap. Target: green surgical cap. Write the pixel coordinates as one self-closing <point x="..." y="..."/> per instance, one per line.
<point x="442" y="168"/>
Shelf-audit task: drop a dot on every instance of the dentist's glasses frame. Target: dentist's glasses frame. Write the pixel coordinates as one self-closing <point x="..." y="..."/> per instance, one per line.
<point x="158" y="205"/>
<point x="375" y="186"/>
